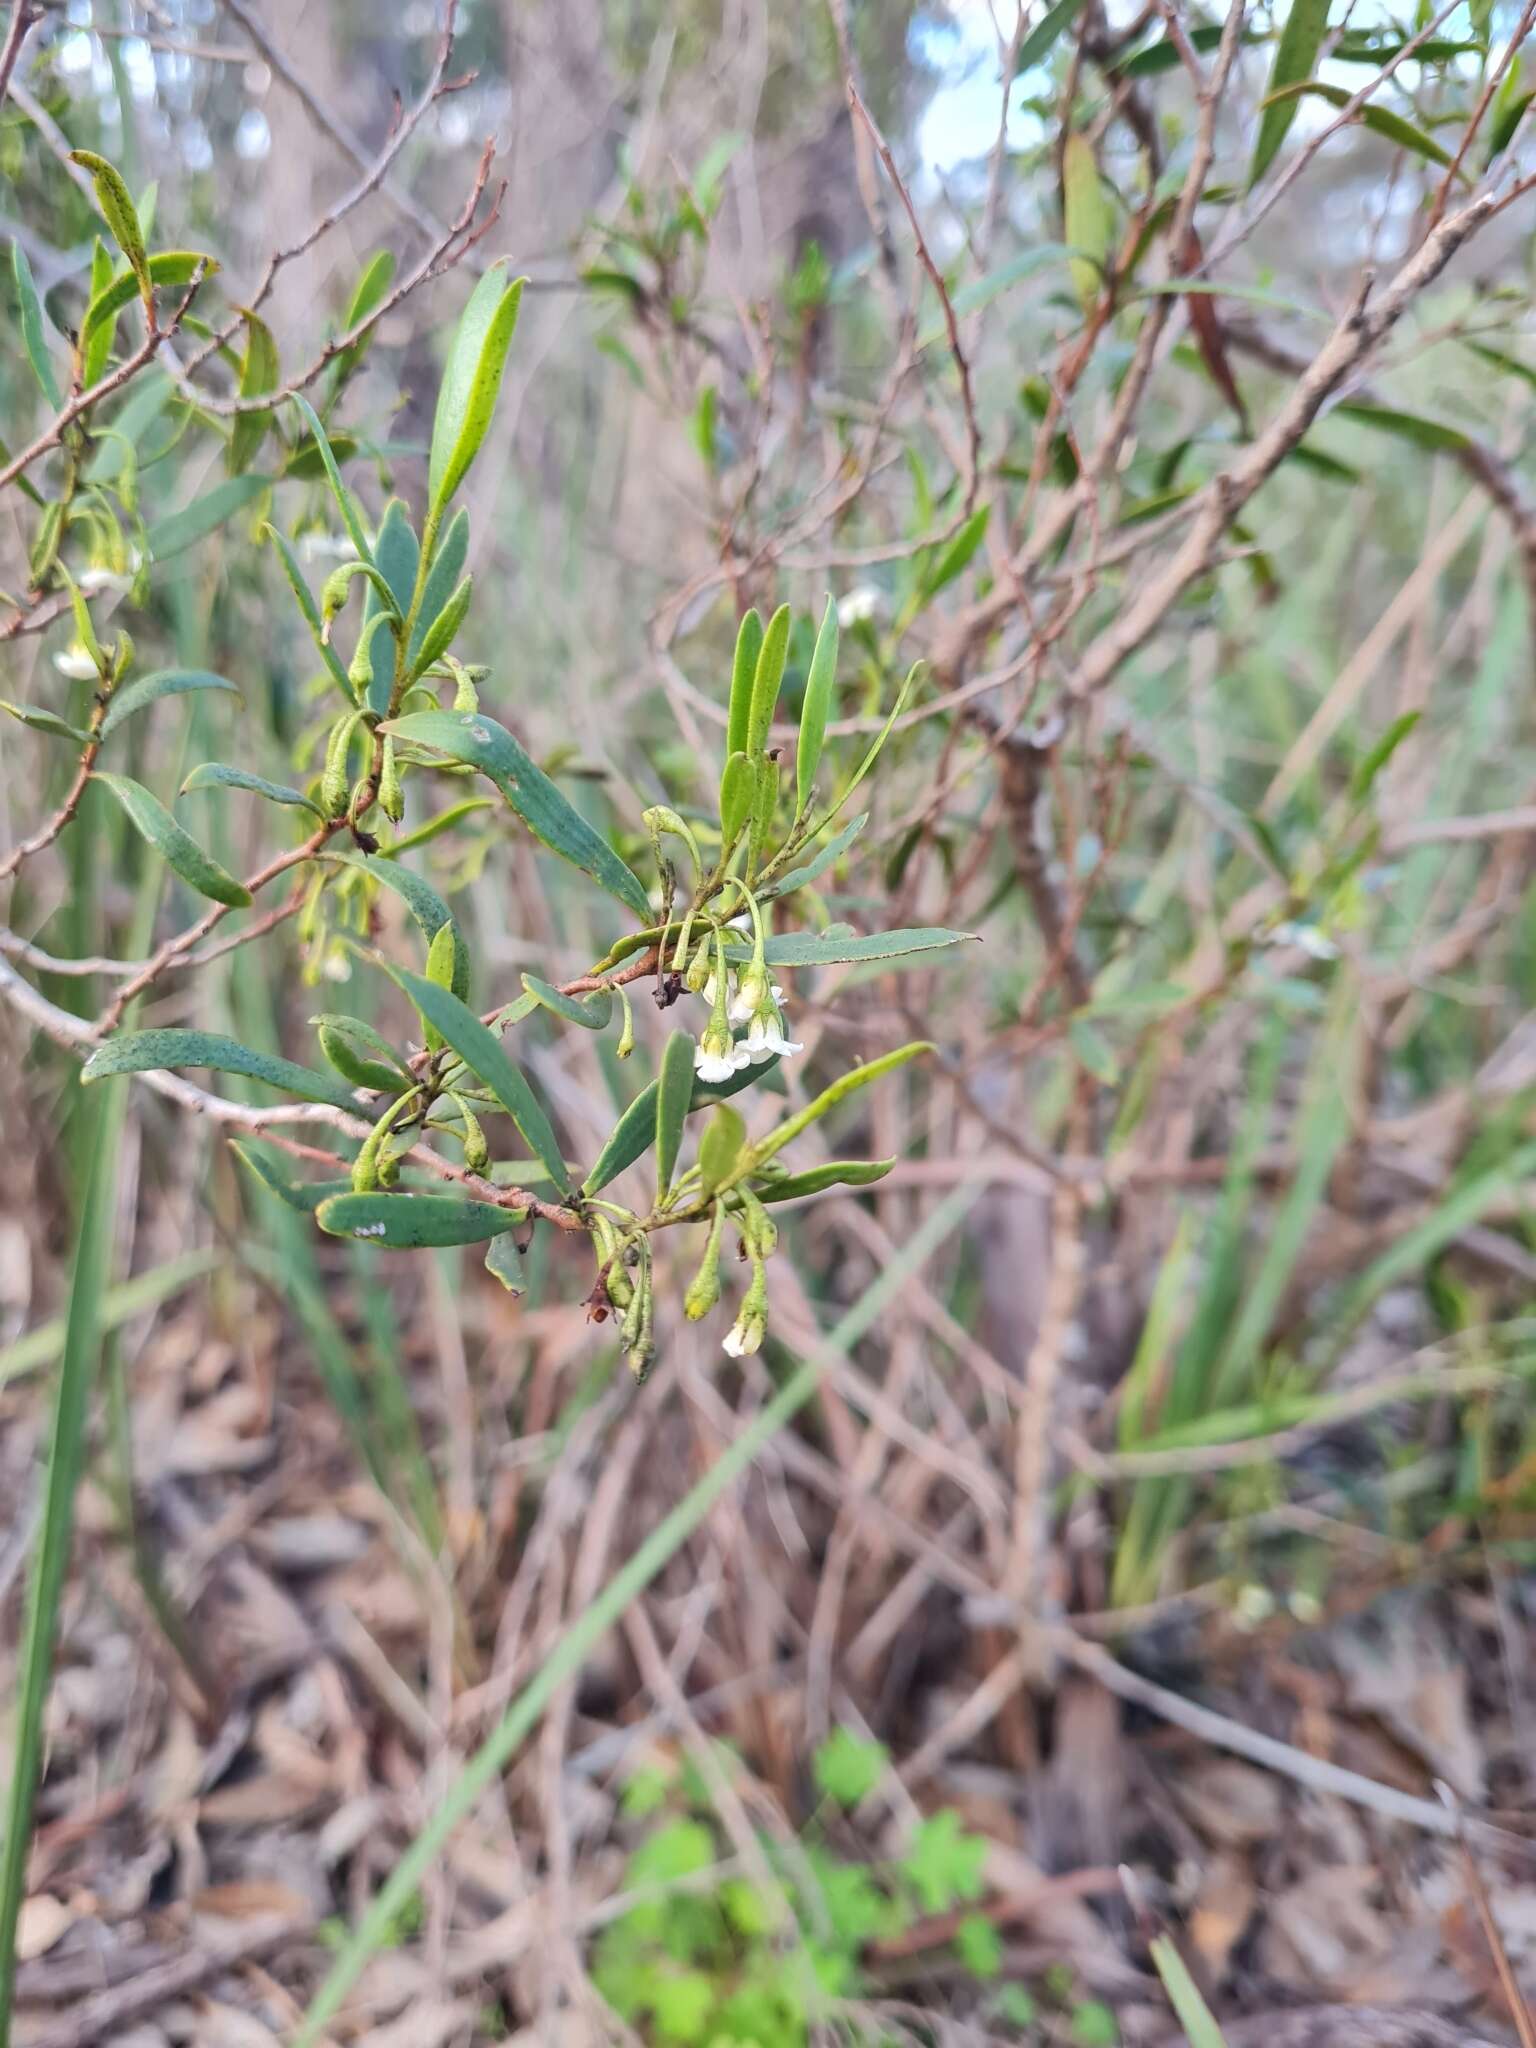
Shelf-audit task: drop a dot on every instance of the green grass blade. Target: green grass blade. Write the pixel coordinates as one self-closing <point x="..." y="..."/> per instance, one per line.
<point x="578" y="1641"/>
<point x="50" y="1559"/>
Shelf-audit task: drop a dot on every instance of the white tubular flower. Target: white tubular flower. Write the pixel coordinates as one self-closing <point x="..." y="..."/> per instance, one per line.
<point x="75" y="663"/>
<point x="716" y="1056"/>
<point x="766" y="1038"/>
<point x="751" y="994"/>
<point x="103" y="578"/>
<point x="750" y="1327"/>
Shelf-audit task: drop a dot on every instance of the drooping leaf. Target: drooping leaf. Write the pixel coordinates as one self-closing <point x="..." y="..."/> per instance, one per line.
<point x="220" y="775"/>
<point x="483" y="744"/>
<point x="415" y="892"/>
<point x="194" y="522"/>
<point x="175" y="845"/>
<point x="504" y="1262"/>
<point x="1088" y="219"/>
<point x="1300" y="40"/>
<point x="482" y="1052"/>
<point x="1381" y="121"/>
<point x="42" y="720"/>
<point x="820" y="686"/>
<point x="258" y="374"/>
<point x="303" y="1195"/>
<point x="407" y="1222"/>
<point x="471" y="381"/>
<point x="340" y="1036"/>
<point x="591" y="1012"/>
<point x="118" y="211"/>
<point x="142" y="1052"/>
<point x="33" y="339"/>
<point x="766" y="679"/>
<point x="835" y="1173"/>
<point x="674" y="1095"/>
<point x="346" y="504"/>
<point x="749" y="645"/>
<point x="165" y="682"/>
<point x="167" y="267"/>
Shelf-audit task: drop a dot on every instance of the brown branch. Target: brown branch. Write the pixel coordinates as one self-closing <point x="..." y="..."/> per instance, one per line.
<point x="23" y="15"/>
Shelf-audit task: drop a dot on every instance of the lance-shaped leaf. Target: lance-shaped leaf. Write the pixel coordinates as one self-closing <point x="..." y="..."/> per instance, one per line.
<point x="471" y="737"/>
<point x="836" y="1173"/>
<point x="738" y="787"/>
<point x="346" y="504"/>
<point x="220" y="775"/>
<point x="417" y="894"/>
<point x="448" y="960"/>
<point x="165" y="682"/>
<point x="674" y="1097"/>
<point x="841" y="946"/>
<point x="467" y="397"/>
<point x="846" y="1085"/>
<point x="820" y="684"/>
<point x="720" y="1147"/>
<point x="635" y="1132"/>
<point x="407" y="1222"/>
<point x="258" y="374"/>
<point x="397" y="554"/>
<point x="144" y="1052"/>
<point x="42" y="720"/>
<point x="371" y="291"/>
<point x="175" y="846"/>
<point x="1405" y="426"/>
<point x="118" y="211"/>
<point x="819" y="862"/>
<point x="1380" y="120"/>
<point x="1046" y="33"/>
<point x="95" y="350"/>
<point x="303" y="1195"/>
<point x="438" y="638"/>
<point x="590" y="1012"/>
<point x="33" y="339"/>
<point x="443" y="578"/>
<point x="168" y="267"/>
<point x="1300" y="40"/>
<point x="481" y="1051"/>
<point x="1087" y="216"/>
<point x="749" y="645"/>
<point x="768" y="676"/>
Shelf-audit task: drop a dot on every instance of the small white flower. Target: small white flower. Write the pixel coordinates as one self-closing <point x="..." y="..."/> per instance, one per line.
<point x="711" y="1066"/>
<point x="741" y="1338"/>
<point x="102" y="578"/>
<point x="864" y="601"/>
<point x="766" y="1038"/>
<point x="75" y="663"/>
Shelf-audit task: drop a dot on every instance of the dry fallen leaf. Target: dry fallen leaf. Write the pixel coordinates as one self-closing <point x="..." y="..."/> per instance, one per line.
<point x="43" y="1921"/>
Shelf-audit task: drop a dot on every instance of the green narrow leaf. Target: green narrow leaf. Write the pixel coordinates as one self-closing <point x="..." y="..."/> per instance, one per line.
<point x="443" y="578"/>
<point x="339" y="1036"/>
<point x="1380" y="120"/>
<point x="1046" y="33"/>
<point x="114" y="292"/>
<point x="175" y="846"/>
<point x="1088" y="218"/>
<point x="482" y="743"/>
<point x="408" y="1222"/>
<point x="1300" y="40"/>
<point x="438" y="637"/>
<point x="766" y="679"/>
<point x="914" y="673"/>
<point x="590" y="1012"/>
<point x="346" y="504"/>
<point x="369" y="294"/>
<point x="720" y="1147"/>
<point x="504" y="1262"/>
<point x="415" y="892"/>
<point x="819" y="862"/>
<point x="165" y="682"/>
<point x="674" y="1095"/>
<point x="397" y="555"/>
<point x="481" y="1051"/>
<point x="118" y="211"/>
<point x="738" y="786"/>
<point x="42" y="720"/>
<point x="95" y="350"/>
<point x="846" y="1085"/>
<point x="51" y="1548"/>
<point x="635" y="1132"/>
<point x="827" y="949"/>
<point x="307" y="462"/>
<point x="1404" y="426"/>
<point x="1191" y="2010"/>
<point x="32" y="336"/>
<point x="836" y="1173"/>
<point x="749" y="645"/>
<point x="258" y="374"/>
<point x="471" y="381"/>
<point x="820" y="685"/>
<point x="220" y="775"/>
<point x="146" y="1052"/>
<point x="1363" y="780"/>
<point x="959" y="554"/>
<point x="305" y="1196"/>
